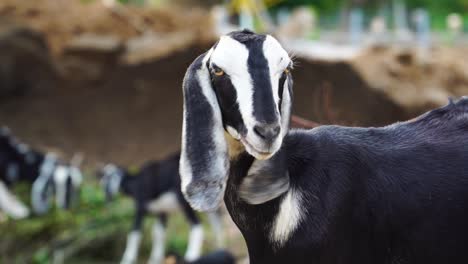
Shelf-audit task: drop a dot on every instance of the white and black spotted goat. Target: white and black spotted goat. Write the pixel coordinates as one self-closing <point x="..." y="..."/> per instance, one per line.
<point x="47" y="175"/>
<point x="156" y="190"/>
<point x="333" y="194"/>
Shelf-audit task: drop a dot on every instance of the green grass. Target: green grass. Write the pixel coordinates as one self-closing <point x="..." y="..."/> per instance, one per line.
<point x="93" y="231"/>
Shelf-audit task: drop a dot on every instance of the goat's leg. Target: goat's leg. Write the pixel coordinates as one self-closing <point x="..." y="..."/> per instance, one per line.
<point x="10" y="204"/>
<point x="134" y="239"/>
<point x="195" y="243"/>
<point x="159" y="239"/>
<point x="217" y="227"/>
<point x="196" y="233"/>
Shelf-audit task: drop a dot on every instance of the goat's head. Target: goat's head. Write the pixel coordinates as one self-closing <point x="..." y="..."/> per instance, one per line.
<point x="63" y="180"/>
<point x="110" y="178"/>
<point x="239" y="91"/>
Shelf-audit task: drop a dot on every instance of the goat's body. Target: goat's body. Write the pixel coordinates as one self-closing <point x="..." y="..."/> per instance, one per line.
<point x="16" y="166"/>
<point x="397" y="194"/>
<point x="156" y="190"/>
<point x="157" y="183"/>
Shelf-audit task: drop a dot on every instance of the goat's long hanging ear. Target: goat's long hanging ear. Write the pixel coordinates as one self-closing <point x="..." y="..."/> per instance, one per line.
<point x="204" y="163"/>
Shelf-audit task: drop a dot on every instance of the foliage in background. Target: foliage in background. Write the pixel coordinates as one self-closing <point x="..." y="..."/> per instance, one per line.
<point x="438" y="9"/>
<point x="93" y="231"/>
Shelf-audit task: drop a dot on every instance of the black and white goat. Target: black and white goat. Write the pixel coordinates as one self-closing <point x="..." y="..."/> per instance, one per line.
<point x="156" y="190"/>
<point x="48" y="176"/>
<point x="333" y="194"/>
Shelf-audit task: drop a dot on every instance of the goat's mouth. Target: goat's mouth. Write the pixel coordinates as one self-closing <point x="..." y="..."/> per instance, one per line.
<point x="256" y="152"/>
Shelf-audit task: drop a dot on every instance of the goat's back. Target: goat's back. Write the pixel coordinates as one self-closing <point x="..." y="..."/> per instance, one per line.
<point x="396" y="194"/>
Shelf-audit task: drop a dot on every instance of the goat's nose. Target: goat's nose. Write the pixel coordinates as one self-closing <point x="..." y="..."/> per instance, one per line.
<point x="267" y="131"/>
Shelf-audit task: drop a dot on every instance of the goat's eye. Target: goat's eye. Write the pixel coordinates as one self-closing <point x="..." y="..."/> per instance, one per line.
<point x="287" y="70"/>
<point x="217" y="71"/>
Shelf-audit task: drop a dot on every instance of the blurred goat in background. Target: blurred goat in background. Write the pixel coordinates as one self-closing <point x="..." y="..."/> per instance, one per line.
<point x="156" y="189"/>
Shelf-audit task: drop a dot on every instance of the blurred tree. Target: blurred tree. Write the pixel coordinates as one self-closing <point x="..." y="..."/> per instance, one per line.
<point x="333" y="5"/>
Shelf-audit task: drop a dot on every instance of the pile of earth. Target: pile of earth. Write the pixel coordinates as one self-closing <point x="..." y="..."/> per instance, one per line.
<point x="106" y="81"/>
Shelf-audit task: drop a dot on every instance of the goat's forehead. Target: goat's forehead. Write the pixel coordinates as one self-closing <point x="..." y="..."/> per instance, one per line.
<point x="232" y="56"/>
<point x="276" y="55"/>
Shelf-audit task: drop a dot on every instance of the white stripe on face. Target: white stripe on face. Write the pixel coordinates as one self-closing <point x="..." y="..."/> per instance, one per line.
<point x="278" y="60"/>
<point x="231" y="56"/>
<point x="236" y="59"/>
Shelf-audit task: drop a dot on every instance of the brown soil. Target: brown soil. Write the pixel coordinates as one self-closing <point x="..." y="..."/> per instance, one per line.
<point x="133" y="115"/>
<point x="414" y="80"/>
<point x="131" y="112"/>
<point x="61" y="21"/>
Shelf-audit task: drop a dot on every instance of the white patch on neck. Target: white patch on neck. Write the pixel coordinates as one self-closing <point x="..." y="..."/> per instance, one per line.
<point x="288" y="218"/>
<point x="195" y="243"/>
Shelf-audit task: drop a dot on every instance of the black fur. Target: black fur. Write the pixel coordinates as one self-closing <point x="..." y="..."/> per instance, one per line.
<point x="154" y="179"/>
<point x="27" y="165"/>
<point x="227" y="99"/>
<point x="396" y="194"/>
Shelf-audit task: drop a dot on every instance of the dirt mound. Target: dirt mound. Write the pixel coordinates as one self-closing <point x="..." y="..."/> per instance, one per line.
<point x="413" y="80"/>
<point x="61" y="21"/>
<point x="19" y="49"/>
<point x="118" y="93"/>
<point x="335" y="93"/>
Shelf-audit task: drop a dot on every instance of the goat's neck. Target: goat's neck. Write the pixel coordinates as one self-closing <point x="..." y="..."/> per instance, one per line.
<point x="127" y="183"/>
<point x="268" y="177"/>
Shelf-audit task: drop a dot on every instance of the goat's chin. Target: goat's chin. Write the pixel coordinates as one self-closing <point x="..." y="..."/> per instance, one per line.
<point x="258" y="154"/>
